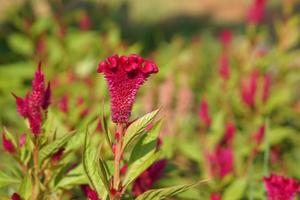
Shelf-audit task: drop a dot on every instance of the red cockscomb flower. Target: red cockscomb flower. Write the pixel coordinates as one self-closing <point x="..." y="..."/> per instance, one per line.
<point x="256" y="12"/>
<point x="280" y="187"/>
<point x="89" y="192"/>
<point x="229" y="133"/>
<point x="35" y="102"/>
<point x="259" y="135"/>
<point x="15" y="196"/>
<point x="225" y="37"/>
<point x="57" y="155"/>
<point x="221" y="161"/>
<point x="124" y="75"/>
<point x="7" y="144"/>
<point x="204" y="113"/>
<point x="146" y="180"/>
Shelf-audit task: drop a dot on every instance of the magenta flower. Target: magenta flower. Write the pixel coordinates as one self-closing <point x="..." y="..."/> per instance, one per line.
<point x="249" y="88"/>
<point x="225" y="37"/>
<point x="204" y="113"/>
<point x="280" y="187"/>
<point x="124" y="75"/>
<point x="7" y="144"/>
<point x="57" y="155"/>
<point x="259" y="135"/>
<point x="266" y="87"/>
<point x="35" y="102"/>
<point x="22" y="140"/>
<point x="146" y="180"/>
<point x="229" y="133"/>
<point x="221" y="161"/>
<point x="256" y="12"/>
<point x="89" y="192"/>
<point x="215" y="196"/>
<point x="15" y="196"/>
<point x="224" y="69"/>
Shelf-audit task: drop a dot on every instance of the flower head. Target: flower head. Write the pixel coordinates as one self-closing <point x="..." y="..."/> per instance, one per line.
<point x="146" y="180"/>
<point x="259" y="135"/>
<point x="89" y="192"/>
<point x="7" y="144"/>
<point x="249" y="87"/>
<point x="224" y="69"/>
<point x="15" y="196"/>
<point x="280" y="187"/>
<point x="256" y="12"/>
<point x="229" y="133"/>
<point x="22" y="140"/>
<point x="215" y="196"/>
<point x="57" y="155"/>
<point x="221" y="161"/>
<point x="225" y="37"/>
<point x="204" y="113"/>
<point x="35" y="102"/>
<point x="124" y="75"/>
<point x="266" y="87"/>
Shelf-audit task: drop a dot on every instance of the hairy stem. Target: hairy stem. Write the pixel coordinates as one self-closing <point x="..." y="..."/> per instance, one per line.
<point x="118" y="157"/>
<point x="35" y="190"/>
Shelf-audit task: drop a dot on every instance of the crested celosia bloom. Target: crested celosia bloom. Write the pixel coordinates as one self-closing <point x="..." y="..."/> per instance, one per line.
<point x="280" y="187"/>
<point x="215" y="196"/>
<point x="249" y="87"/>
<point x="35" y="102"/>
<point x="57" y="155"/>
<point x="7" y="144"/>
<point x="125" y="75"/>
<point x="204" y="113"/>
<point x="89" y="192"/>
<point x="146" y="180"/>
<point x="224" y="69"/>
<point x="15" y="196"/>
<point x="221" y="161"/>
<point x="256" y="12"/>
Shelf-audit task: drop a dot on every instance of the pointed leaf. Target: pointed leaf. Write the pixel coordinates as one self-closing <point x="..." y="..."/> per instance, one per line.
<point x="164" y="193"/>
<point x="6" y="179"/>
<point x="26" y="187"/>
<point x="137" y="127"/>
<point x="105" y="127"/>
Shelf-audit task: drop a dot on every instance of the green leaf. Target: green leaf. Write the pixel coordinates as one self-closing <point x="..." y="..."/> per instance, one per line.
<point x="236" y="190"/>
<point x="137" y="127"/>
<point x="139" y="166"/>
<point x="105" y="127"/>
<point x="93" y="169"/>
<point x="6" y="180"/>
<point x="53" y="147"/>
<point x="26" y="187"/>
<point x="164" y="193"/>
<point x="20" y="44"/>
<point x="74" y="177"/>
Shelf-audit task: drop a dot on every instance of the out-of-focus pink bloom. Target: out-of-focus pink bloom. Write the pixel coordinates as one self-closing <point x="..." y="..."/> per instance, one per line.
<point x="249" y="87"/>
<point x="280" y="187"/>
<point x="259" y="135"/>
<point x="99" y="126"/>
<point x="266" y="87"/>
<point x="35" y="102"/>
<point x="146" y="180"/>
<point x="41" y="45"/>
<point x="124" y="168"/>
<point x="89" y="192"/>
<point x="15" y="196"/>
<point x="224" y="69"/>
<point x="7" y="144"/>
<point x="63" y="103"/>
<point x="221" y="161"/>
<point x="84" y="22"/>
<point x="275" y="154"/>
<point x="125" y="75"/>
<point x="84" y="112"/>
<point x="204" y="113"/>
<point x="22" y="140"/>
<point x="57" y="155"/>
<point x="225" y="37"/>
<point x="229" y="133"/>
<point x="79" y="100"/>
<point x="256" y="12"/>
<point x="215" y="196"/>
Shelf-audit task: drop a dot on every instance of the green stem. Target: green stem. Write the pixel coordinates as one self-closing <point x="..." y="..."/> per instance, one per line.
<point x="35" y="190"/>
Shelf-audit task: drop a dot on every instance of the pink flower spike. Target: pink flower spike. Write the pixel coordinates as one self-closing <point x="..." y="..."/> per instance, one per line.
<point x="215" y="196"/>
<point x="124" y="76"/>
<point x="7" y="144"/>
<point x="249" y="87"/>
<point x="225" y="37"/>
<point x="204" y="113"/>
<point x="47" y="97"/>
<point x="57" y="155"/>
<point x="260" y="134"/>
<point x="280" y="187"/>
<point x="224" y="69"/>
<point x="266" y="87"/>
<point x="15" y="196"/>
<point x="229" y="133"/>
<point x="256" y="12"/>
<point x="22" y="105"/>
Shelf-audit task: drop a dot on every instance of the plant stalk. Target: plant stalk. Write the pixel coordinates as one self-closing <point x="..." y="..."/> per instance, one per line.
<point x="35" y="190"/>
